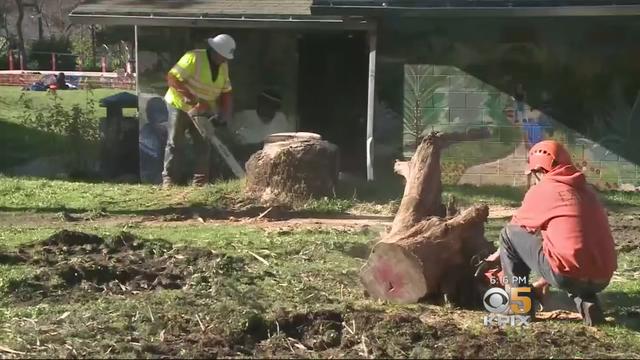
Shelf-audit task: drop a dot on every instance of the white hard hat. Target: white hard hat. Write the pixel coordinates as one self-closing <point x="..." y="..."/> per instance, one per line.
<point x="224" y="45"/>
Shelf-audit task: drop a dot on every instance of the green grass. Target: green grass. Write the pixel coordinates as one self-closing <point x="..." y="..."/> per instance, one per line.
<point x="20" y="194"/>
<point x="18" y="143"/>
<point x="10" y="95"/>
<point x="41" y="195"/>
<point x="308" y="272"/>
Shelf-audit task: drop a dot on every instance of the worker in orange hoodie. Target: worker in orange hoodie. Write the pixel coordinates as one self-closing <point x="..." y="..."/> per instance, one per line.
<point x="561" y="232"/>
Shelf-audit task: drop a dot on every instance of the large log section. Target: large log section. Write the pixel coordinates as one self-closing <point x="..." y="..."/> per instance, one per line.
<point x="426" y="254"/>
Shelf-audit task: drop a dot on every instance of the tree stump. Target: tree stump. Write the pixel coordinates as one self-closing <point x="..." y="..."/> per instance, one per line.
<point x="292" y="167"/>
<point x="427" y="254"/>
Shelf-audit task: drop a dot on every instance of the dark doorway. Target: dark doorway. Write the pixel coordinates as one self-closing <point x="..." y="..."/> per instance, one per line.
<point x="332" y="92"/>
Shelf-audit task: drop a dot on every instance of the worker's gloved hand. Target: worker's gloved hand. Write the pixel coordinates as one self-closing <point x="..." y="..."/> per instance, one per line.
<point x="224" y="118"/>
<point x="483" y="265"/>
<point x="201" y="107"/>
<point x="493" y="257"/>
<point x="540" y="290"/>
<point x="217" y="122"/>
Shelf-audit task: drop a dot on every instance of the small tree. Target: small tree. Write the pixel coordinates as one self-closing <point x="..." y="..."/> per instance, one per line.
<point x="82" y="44"/>
<point x="41" y="53"/>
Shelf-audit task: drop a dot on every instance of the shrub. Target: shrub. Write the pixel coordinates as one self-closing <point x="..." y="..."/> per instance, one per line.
<point x="78" y="126"/>
<point x="41" y="54"/>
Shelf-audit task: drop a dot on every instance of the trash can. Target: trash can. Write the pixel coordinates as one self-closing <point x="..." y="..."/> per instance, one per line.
<point x="119" y="138"/>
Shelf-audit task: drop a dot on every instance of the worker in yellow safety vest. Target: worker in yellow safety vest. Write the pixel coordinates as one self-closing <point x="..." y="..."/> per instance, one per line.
<point x="198" y="82"/>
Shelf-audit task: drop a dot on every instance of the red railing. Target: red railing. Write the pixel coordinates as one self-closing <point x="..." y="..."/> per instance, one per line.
<point x="104" y="63"/>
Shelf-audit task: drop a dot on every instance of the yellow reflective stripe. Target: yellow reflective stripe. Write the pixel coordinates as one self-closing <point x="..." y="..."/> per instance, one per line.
<point x="178" y="70"/>
<point x="226" y="87"/>
<point x="201" y="90"/>
<point x="201" y="60"/>
<point x="193" y="70"/>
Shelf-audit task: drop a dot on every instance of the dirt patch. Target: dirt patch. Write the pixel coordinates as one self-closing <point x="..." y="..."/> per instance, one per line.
<point x="73" y="266"/>
<point x="123" y="264"/>
<point x="626" y="231"/>
<point x="374" y="334"/>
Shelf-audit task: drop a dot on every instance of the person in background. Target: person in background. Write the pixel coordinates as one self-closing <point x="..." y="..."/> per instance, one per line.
<point x="545" y="116"/>
<point x="560" y="232"/>
<point x="252" y="126"/>
<point x="153" y="140"/>
<point x="61" y="82"/>
<point x="533" y="133"/>
<point x="520" y="98"/>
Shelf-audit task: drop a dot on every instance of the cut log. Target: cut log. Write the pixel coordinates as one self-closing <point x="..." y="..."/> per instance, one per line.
<point x="292" y="167"/>
<point x="426" y="254"/>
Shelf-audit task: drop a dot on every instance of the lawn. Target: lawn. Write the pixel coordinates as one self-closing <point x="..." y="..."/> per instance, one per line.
<point x="52" y="196"/>
<point x="20" y="143"/>
<point x="119" y="270"/>
<point x="218" y="290"/>
<point x="151" y="286"/>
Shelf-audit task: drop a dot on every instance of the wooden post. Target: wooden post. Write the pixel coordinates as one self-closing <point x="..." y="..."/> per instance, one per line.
<point x="103" y="63"/>
<point x="53" y="61"/>
<point x="11" y="65"/>
<point x="21" y="62"/>
<point x="371" y="102"/>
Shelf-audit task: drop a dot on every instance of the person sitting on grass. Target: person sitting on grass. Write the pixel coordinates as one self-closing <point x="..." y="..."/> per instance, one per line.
<point x="61" y="82"/>
<point x="561" y="232"/>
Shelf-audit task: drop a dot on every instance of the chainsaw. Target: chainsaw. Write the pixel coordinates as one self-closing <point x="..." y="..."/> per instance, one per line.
<point x="488" y="271"/>
<point x="489" y="274"/>
<point x="205" y="122"/>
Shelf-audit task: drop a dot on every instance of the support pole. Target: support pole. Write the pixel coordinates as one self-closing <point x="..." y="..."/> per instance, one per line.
<point x="371" y="101"/>
<point x="53" y="61"/>
<point x="135" y="36"/>
<point x="11" y="65"/>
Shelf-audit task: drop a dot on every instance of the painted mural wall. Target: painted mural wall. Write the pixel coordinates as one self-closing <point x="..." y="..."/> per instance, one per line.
<point x="264" y="60"/>
<point x="574" y="80"/>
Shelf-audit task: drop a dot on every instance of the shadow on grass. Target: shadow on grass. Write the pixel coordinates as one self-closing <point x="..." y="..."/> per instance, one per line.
<point x="20" y="144"/>
<point x="621" y="201"/>
<point x="506" y="195"/>
<point x="39" y="154"/>
<point x="193" y="212"/>
<point x="381" y="191"/>
<point x="624" y="307"/>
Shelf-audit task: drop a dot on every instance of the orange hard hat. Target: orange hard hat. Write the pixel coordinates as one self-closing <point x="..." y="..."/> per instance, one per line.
<point x="546" y="155"/>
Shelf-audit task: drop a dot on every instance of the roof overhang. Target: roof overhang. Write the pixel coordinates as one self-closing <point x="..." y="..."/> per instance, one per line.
<point x="280" y="22"/>
<point x="475" y="8"/>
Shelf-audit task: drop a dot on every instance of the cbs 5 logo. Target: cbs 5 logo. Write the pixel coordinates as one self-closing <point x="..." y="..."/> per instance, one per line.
<point x="498" y="300"/>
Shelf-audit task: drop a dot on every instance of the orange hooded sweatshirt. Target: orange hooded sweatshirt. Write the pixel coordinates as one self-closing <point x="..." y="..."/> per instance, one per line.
<point x="576" y="236"/>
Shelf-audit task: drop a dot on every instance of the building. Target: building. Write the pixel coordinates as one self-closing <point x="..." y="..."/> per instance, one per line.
<point x="445" y="65"/>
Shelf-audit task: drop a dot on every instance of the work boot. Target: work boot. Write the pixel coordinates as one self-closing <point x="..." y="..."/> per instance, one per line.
<point x="592" y="314"/>
<point x="199" y="180"/>
<point x="590" y="310"/>
<point x="167" y="182"/>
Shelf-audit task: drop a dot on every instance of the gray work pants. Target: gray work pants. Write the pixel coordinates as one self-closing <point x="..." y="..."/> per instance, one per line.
<point x="180" y="122"/>
<point x="521" y="253"/>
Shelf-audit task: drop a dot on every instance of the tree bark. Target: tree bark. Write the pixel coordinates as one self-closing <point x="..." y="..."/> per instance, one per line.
<point x="426" y="254"/>
<point x="292" y="168"/>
